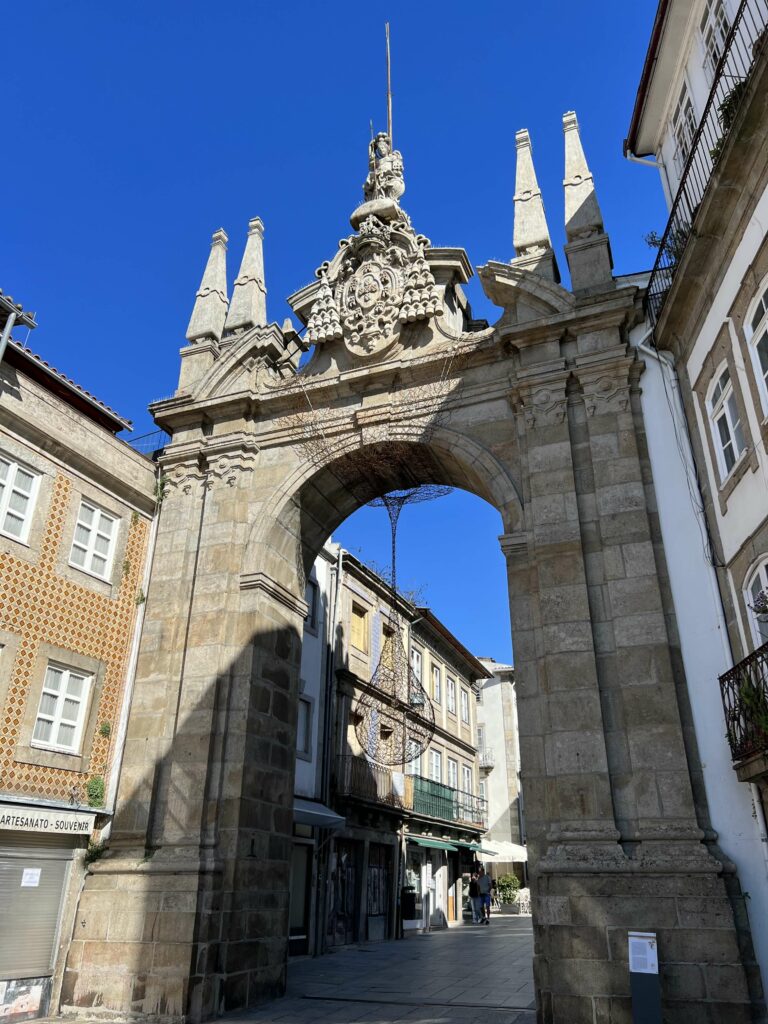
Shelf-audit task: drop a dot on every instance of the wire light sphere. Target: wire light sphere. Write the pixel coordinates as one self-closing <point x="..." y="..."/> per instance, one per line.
<point x="395" y="720"/>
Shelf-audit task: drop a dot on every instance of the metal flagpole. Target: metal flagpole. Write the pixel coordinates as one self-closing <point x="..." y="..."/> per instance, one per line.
<point x="389" y="88"/>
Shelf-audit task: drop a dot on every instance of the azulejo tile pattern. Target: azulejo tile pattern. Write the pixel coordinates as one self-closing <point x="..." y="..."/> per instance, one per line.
<point x="39" y="605"/>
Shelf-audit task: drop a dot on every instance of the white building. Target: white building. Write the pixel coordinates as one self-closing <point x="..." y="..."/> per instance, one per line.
<point x="700" y="117"/>
<point x="498" y="756"/>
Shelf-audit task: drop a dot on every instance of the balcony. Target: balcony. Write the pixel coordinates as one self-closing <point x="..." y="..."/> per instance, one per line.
<point x="485" y="759"/>
<point x="742" y="47"/>
<point x="370" y="783"/>
<point x="744" y="690"/>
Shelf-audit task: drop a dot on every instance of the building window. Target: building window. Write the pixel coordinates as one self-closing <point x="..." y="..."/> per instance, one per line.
<point x="481" y="790"/>
<point x="453" y="773"/>
<point x="94" y="541"/>
<point x="312" y="597"/>
<point x="436" y="766"/>
<point x="412" y="758"/>
<point x="757" y="602"/>
<point x="466" y="778"/>
<point x="465" y="705"/>
<point x="18" y="490"/>
<point x="359" y="637"/>
<point x="683" y="128"/>
<point x="757" y="336"/>
<point x="61" y="713"/>
<point x="450" y="694"/>
<point x="416" y="663"/>
<point x="304" y="728"/>
<point x="724" y="418"/>
<point x="436" y="685"/>
<point x="480" y="737"/>
<point x="714" y="27"/>
<point x="388" y="647"/>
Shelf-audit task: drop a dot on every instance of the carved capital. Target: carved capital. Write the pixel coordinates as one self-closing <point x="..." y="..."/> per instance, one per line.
<point x="227" y="464"/>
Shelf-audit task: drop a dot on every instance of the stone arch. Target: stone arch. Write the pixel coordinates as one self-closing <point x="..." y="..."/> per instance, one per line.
<point x="316" y="497"/>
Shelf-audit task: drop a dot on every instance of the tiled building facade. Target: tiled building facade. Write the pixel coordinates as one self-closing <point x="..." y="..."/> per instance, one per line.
<point x="76" y="508"/>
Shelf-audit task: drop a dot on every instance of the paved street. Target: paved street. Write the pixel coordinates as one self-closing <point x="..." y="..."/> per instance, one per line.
<point x="472" y="975"/>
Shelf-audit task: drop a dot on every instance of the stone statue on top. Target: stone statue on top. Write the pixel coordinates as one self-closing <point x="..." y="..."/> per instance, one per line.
<point x="385" y="170"/>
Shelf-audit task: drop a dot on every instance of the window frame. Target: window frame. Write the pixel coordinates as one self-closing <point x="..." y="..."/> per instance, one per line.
<point x="15" y="465"/>
<point x="711" y="27"/>
<point x="720" y="408"/>
<point x="465" y="713"/>
<point x="312" y="618"/>
<point x="755" y="333"/>
<point x="61" y="696"/>
<point x="437" y="685"/>
<point x="355" y="610"/>
<point x="90" y="547"/>
<point x="682" y="127"/>
<point x="452" y="763"/>
<point x="435" y="758"/>
<point x="450" y="695"/>
<point x="417" y="654"/>
<point x="467" y="775"/>
<point x="305" y="753"/>
<point x="412" y="765"/>
<point x="758" y="574"/>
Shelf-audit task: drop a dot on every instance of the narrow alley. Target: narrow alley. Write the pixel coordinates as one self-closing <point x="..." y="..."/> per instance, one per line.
<point x="471" y="974"/>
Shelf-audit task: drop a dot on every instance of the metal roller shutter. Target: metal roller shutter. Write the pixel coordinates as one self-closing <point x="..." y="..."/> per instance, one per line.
<point x="30" y="914"/>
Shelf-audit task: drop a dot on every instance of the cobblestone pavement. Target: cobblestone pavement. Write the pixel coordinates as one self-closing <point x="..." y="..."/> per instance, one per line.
<point x="469" y="975"/>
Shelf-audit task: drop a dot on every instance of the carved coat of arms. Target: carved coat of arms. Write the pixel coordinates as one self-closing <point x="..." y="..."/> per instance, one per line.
<point x="379" y="280"/>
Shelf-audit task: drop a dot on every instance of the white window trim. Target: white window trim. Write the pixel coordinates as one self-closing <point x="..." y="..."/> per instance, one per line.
<point x="467" y="774"/>
<point x="417" y="657"/>
<point x="678" y="159"/>
<point x="709" y="68"/>
<point x="453" y="773"/>
<point x="110" y="556"/>
<point x="714" y="413"/>
<point x="435" y="759"/>
<point x="83" y="701"/>
<point x="13" y="466"/>
<point x="465" y="706"/>
<point x="761" y="567"/>
<point x="450" y="694"/>
<point x="754" y="335"/>
<point x="437" y="684"/>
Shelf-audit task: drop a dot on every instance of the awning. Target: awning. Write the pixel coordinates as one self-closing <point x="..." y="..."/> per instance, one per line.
<point x="433" y="844"/>
<point x="311" y="812"/>
<point x="476" y="848"/>
<point x="509" y="853"/>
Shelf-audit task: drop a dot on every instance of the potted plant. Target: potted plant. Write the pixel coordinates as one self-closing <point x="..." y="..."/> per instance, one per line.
<point x="506" y="889"/>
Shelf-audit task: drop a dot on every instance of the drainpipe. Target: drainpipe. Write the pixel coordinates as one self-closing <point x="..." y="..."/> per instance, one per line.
<point x="130" y="679"/>
<point x="7" y="332"/>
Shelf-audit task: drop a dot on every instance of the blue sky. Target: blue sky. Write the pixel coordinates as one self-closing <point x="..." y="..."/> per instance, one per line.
<point x="133" y="131"/>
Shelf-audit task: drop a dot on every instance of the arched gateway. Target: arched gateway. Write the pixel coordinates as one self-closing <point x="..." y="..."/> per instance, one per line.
<point x="187" y="914"/>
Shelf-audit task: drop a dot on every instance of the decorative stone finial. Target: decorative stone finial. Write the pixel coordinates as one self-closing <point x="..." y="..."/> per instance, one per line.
<point x="588" y="249"/>
<point x="248" y="307"/>
<point x="531" y="235"/>
<point x="210" y="309"/>
<point x="582" y="212"/>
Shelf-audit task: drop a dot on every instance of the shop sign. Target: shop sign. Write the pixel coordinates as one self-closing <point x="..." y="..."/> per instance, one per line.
<point x="18" y="818"/>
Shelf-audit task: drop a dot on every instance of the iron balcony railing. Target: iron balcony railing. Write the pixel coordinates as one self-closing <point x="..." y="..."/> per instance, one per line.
<point x="744" y="690"/>
<point x="360" y="778"/>
<point x="742" y="46"/>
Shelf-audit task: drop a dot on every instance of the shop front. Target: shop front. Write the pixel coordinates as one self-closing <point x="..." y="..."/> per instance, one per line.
<point x="41" y="857"/>
<point x="429" y="899"/>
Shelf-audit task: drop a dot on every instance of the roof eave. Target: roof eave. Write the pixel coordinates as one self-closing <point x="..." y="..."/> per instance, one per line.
<point x="645" y="78"/>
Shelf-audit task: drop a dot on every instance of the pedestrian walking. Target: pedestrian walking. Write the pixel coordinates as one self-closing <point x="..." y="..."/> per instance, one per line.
<point x="485" y="884"/>
<point x="475" y="900"/>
